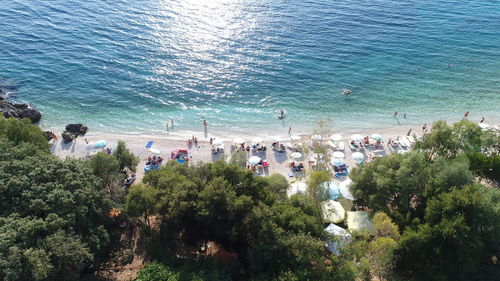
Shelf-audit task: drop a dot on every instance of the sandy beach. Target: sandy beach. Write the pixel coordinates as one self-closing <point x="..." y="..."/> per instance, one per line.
<point x="165" y="144"/>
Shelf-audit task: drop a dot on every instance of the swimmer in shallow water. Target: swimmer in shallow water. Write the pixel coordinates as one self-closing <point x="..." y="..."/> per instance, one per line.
<point x="346" y="92"/>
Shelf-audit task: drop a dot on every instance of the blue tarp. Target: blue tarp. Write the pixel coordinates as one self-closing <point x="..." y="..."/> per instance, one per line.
<point x="150" y="144"/>
<point x="332" y="189"/>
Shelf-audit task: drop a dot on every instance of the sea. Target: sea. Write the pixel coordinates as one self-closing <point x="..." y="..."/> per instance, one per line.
<point x="131" y="66"/>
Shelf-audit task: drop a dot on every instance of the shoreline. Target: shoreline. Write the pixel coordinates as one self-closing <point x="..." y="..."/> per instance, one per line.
<point x="166" y="143"/>
<point x="228" y="135"/>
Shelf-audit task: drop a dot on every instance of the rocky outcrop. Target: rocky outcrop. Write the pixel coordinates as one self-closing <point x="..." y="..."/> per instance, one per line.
<point x="19" y="111"/>
<point x="77" y="129"/>
<point x="73" y="131"/>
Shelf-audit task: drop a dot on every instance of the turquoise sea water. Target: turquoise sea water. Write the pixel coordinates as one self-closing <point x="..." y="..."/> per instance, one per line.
<point x="128" y="66"/>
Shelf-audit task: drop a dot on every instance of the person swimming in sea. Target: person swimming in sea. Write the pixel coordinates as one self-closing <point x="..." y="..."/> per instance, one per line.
<point x="346" y="92"/>
<point x="281" y="114"/>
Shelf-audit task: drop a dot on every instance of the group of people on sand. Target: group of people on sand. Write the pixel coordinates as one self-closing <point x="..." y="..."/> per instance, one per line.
<point x="106" y="150"/>
<point x="366" y="142"/>
<point x="340" y="170"/>
<point x="278" y="146"/>
<point x="194" y="140"/>
<point x="154" y="161"/>
<point x="296" y="166"/>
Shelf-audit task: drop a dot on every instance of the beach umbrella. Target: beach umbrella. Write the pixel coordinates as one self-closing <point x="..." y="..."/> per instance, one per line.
<point x="337" y="162"/>
<point x="296" y="155"/>
<point x="296" y="187"/>
<point x="338" y="154"/>
<point x="377" y="137"/>
<point x="344" y="188"/>
<point x="295" y="138"/>
<point x="357" y="137"/>
<point x="256" y="140"/>
<point x="343" y="238"/>
<point x="484" y="126"/>
<point x="360" y="221"/>
<point x="217" y="142"/>
<point x="100" y="143"/>
<point x="332" y="211"/>
<point x="154" y="150"/>
<point x="336" y="137"/>
<point x="239" y="141"/>
<point x="316" y="137"/>
<point x="253" y="160"/>
<point x="333" y="189"/>
<point x="358" y="156"/>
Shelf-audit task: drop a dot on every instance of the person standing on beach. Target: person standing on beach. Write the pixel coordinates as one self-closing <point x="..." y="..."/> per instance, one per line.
<point x="172" y="122"/>
<point x="466" y="115"/>
<point x="424" y="128"/>
<point x="205" y="124"/>
<point x="482" y="120"/>
<point x="395" y="114"/>
<point x="289" y="130"/>
<point x="404" y="116"/>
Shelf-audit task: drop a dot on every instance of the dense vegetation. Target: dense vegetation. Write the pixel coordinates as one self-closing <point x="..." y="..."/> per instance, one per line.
<point x="266" y="234"/>
<point x="436" y="212"/>
<point x="53" y="213"/>
<point x="450" y="223"/>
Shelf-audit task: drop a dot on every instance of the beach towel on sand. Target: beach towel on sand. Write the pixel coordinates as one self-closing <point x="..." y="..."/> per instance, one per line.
<point x="150" y="144"/>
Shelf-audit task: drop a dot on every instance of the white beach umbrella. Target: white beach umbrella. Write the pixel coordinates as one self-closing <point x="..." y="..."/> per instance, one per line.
<point x="336" y="137"/>
<point x="345" y="190"/>
<point x="253" y="160"/>
<point x="239" y="141"/>
<point x="357" y="137"/>
<point x="217" y="142"/>
<point x="296" y="155"/>
<point x="484" y="126"/>
<point x="338" y="154"/>
<point x="256" y="140"/>
<point x="337" y="162"/>
<point x="154" y="150"/>
<point x="377" y="137"/>
<point x="295" y="138"/>
<point x="343" y="238"/>
<point x="332" y="211"/>
<point x="296" y="187"/>
<point x="358" y="156"/>
<point x="316" y="137"/>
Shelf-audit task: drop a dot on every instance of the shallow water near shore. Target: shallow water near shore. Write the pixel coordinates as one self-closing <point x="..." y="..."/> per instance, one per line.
<point x="130" y="66"/>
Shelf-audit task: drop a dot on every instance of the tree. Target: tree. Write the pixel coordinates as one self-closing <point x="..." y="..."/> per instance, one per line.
<point x="22" y="131"/>
<point x="380" y="256"/>
<point x="384" y="227"/>
<point x="278" y="185"/>
<point x="141" y="201"/>
<point x="461" y="228"/>
<point x="125" y="157"/>
<point x="54" y="222"/>
<point x="155" y="271"/>
<point x="106" y="167"/>
<point x="243" y="214"/>
<point x="400" y="184"/>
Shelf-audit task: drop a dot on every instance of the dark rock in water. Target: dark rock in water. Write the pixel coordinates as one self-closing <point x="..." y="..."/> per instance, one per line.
<point x="68" y="136"/>
<point x="77" y="129"/>
<point x="19" y="111"/>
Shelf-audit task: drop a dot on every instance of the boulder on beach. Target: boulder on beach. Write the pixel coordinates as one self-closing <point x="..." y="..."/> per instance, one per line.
<point x="19" y="111"/>
<point x="68" y="136"/>
<point x="77" y="129"/>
